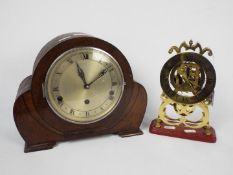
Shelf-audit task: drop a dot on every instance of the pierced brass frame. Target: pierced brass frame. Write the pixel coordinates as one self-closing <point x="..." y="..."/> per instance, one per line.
<point x="185" y="110"/>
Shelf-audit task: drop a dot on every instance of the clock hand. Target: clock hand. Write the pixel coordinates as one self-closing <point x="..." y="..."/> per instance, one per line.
<point x="190" y="85"/>
<point x="102" y="73"/>
<point x="81" y="74"/>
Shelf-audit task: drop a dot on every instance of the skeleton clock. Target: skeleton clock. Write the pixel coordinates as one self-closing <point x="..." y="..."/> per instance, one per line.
<point x="188" y="80"/>
<point x="81" y="86"/>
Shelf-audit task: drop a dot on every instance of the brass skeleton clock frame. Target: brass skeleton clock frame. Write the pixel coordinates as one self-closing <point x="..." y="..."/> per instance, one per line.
<point x="188" y="80"/>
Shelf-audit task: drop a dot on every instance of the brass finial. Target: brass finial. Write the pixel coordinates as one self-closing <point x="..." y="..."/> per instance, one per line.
<point x="190" y="46"/>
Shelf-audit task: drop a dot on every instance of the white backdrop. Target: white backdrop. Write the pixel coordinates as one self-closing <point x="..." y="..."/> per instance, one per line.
<point x="143" y="31"/>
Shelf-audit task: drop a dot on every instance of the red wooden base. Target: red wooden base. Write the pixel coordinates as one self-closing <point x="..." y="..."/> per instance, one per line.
<point x="183" y="132"/>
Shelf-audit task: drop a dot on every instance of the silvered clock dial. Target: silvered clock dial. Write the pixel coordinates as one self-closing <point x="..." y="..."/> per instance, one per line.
<point x="188" y="78"/>
<point x="84" y="84"/>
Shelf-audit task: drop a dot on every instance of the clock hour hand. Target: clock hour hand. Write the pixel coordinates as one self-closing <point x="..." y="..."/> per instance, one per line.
<point x="81" y="74"/>
<point x="102" y="73"/>
<point x="193" y="90"/>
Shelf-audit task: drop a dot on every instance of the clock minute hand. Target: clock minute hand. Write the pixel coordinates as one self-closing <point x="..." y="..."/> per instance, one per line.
<point x="190" y="85"/>
<point x="81" y="74"/>
<point x="102" y="73"/>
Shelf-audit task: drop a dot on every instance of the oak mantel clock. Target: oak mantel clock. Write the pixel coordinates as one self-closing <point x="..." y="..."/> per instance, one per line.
<point x="188" y="80"/>
<point x="81" y="86"/>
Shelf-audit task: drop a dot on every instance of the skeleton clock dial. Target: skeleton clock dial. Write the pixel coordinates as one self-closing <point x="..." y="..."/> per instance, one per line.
<point x="188" y="78"/>
<point x="81" y="86"/>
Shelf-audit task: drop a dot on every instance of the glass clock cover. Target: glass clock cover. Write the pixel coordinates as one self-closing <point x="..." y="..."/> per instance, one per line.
<point x="84" y="85"/>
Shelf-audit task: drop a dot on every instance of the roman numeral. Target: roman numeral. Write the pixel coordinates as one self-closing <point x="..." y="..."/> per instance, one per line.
<point x="56" y="89"/>
<point x="114" y="83"/>
<point x="60" y="103"/>
<point x="87" y="113"/>
<point x="85" y="56"/>
<point x="111" y="69"/>
<point x="72" y="111"/>
<point x="210" y="80"/>
<point x="111" y="92"/>
<point x="70" y="60"/>
<point x="111" y="97"/>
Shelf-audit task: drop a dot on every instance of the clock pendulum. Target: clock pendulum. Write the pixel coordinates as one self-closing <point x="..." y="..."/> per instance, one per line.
<point x="81" y="86"/>
<point x="188" y="80"/>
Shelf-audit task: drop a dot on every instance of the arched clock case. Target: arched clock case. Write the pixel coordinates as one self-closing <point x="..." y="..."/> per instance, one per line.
<point x="41" y="127"/>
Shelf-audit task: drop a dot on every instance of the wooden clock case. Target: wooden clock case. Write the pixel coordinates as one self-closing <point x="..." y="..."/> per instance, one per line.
<point x="41" y="128"/>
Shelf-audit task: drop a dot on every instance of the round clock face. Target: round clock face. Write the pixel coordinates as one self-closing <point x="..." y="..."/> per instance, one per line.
<point x="188" y="78"/>
<point x="84" y="85"/>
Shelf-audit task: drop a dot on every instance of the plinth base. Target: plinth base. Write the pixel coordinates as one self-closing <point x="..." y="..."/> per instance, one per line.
<point x="183" y="132"/>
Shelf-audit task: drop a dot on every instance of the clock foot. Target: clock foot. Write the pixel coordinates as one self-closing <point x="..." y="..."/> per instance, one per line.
<point x="38" y="147"/>
<point x="130" y="133"/>
<point x="134" y="113"/>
